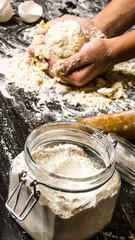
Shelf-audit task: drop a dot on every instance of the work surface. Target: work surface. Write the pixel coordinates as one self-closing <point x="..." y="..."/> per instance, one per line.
<point x="20" y="115"/>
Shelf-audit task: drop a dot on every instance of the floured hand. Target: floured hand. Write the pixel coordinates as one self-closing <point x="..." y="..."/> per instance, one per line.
<point x="92" y="60"/>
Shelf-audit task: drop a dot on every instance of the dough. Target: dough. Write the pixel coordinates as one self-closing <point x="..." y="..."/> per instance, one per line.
<point x="65" y="38"/>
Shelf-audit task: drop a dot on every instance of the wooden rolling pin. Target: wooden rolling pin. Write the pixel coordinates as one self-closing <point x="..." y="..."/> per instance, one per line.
<point x="122" y="123"/>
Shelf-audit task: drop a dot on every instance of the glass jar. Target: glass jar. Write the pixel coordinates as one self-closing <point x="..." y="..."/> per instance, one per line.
<point x="64" y="205"/>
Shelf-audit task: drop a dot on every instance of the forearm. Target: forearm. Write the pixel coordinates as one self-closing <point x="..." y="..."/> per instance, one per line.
<point x="116" y="18"/>
<point x="122" y="48"/>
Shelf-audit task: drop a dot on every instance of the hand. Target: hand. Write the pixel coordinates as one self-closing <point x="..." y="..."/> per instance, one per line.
<point x="86" y="24"/>
<point x="93" y="59"/>
<point x="34" y="49"/>
<point x="39" y="39"/>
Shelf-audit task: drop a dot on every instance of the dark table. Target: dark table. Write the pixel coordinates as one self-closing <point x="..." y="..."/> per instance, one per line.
<point x="18" y="119"/>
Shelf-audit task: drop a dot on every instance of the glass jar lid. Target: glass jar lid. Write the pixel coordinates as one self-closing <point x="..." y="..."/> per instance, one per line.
<point x="125" y="157"/>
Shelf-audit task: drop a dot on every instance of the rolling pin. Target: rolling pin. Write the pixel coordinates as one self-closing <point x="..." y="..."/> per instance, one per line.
<point x="122" y="123"/>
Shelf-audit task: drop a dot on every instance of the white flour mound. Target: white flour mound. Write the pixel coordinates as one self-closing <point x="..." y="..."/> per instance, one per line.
<point x="66" y="160"/>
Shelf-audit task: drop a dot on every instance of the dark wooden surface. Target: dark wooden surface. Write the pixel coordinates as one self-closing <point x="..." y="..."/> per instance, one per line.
<point x="18" y="118"/>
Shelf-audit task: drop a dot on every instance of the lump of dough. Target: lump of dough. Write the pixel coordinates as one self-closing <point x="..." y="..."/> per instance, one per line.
<point x="65" y="38"/>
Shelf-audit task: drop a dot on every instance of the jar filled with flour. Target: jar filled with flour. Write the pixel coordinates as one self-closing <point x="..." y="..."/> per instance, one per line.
<point x="64" y="186"/>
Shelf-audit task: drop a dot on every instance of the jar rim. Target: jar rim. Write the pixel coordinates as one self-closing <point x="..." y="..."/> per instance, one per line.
<point x="94" y="180"/>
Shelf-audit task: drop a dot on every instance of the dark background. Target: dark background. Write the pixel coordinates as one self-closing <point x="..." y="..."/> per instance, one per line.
<point x="18" y="118"/>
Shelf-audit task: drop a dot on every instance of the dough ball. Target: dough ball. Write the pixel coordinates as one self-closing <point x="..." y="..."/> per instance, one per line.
<point x="65" y="38"/>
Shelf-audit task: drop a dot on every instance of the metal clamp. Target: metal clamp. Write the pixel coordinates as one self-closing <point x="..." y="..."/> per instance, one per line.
<point x="33" y="198"/>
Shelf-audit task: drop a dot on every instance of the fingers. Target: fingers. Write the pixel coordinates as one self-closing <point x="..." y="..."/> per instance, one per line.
<point x="79" y="59"/>
<point x="31" y="50"/>
<point x="53" y="59"/>
<point x="94" y="52"/>
<point x="80" y="76"/>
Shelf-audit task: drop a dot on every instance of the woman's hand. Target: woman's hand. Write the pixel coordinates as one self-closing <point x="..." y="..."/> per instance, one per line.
<point x="93" y="59"/>
<point x="98" y="55"/>
<point x="86" y="25"/>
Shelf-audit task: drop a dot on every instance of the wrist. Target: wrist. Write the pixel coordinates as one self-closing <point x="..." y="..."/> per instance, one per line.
<point x="116" y="18"/>
<point x="121" y="48"/>
<point x="100" y="23"/>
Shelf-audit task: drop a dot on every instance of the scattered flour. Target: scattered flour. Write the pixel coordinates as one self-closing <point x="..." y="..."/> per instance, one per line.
<point x="98" y="94"/>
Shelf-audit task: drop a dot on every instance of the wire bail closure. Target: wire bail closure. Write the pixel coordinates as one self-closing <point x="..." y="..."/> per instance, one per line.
<point x="33" y="198"/>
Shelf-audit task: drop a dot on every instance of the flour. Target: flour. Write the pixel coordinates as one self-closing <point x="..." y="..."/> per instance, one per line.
<point x="65" y="160"/>
<point x="106" y="92"/>
<point x="94" y="95"/>
<point x="60" y="215"/>
<point x="63" y="38"/>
